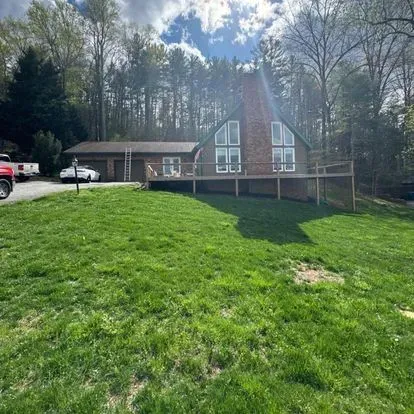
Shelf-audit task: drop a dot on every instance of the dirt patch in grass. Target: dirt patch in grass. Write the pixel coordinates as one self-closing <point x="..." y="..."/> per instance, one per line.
<point x="215" y="371"/>
<point x="407" y="313"/>
<point x="24" y="384"/>
<point x="134" y="389"/>
<point x="29" y="322"/>
<point x="226" y="313"/>
<point x="115" y="400"/>
<point x="308" y="274"/>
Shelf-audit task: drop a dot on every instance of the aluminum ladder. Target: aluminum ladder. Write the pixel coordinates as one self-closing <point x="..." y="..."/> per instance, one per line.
<point x="127" y="170"/>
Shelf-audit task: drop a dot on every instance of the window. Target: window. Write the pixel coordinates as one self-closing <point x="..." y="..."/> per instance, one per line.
<point x="221" y="136"/>
<point x="234" y="133"/>
<point x="228" y="148"/>
<point x="221" y="160"/>
<point x="277" y="159"/>
<point x="276" y="133"/>
<point x="173" y="165"/>
<point x="289" y="159"/>
<point x="234" y="157"/>
<point x="289" y="137"/>
<point x="283" y="151"/>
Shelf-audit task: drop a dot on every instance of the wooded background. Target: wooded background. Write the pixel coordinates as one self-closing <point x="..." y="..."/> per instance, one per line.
<point x="342" y="70"/>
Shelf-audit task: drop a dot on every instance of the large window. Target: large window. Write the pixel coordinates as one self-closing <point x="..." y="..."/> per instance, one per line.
<point x="234" y="159"/>
<point x="277" y="159"/>
<point x="283" y="151"/>
<point x="276" y="133"/>
<point x="289" y="138"/>
<point x="171" y="165"/>
<point x="234" y="133"/>
<point x="289" y="159"/>
<point x="228" y="148"/>
<point x="221" y="136"/>
<point x="221" y="160"/>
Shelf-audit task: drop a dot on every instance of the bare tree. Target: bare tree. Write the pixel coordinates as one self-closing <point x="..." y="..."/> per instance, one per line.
<point x="382" y="50"/>
<point x="404" y="74"/>
<point x="397" y="15"/>
<point x="60" y="28"/>
<point x="102" y="17"/>
<point x="319" y="34"/>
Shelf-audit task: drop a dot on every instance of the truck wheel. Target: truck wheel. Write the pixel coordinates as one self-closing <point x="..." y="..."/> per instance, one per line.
<point x="5" y="189"/>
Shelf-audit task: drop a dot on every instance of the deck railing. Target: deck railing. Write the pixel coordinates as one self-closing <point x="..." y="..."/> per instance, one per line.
<point x="251" y="170"/>
<point x="215" y="170"/>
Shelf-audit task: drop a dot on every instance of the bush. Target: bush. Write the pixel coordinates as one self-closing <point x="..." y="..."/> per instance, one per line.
<point x="46" y="152"/>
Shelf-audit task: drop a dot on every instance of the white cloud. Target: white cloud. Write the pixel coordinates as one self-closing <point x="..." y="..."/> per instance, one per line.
<point x="285" y="13"/>
<point x="188" y="49"/>
<point x="250" y="15"/>
<point x="213" y="14"/>
<point x="256" y="14"/>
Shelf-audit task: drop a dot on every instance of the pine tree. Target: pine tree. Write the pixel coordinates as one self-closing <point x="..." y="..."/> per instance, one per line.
<point x="37" y="101"/>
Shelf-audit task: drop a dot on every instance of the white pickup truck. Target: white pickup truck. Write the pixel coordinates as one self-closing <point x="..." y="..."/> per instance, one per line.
<point x="22" y="170"/>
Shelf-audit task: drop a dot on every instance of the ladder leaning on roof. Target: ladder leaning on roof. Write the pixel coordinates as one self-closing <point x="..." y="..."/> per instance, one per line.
<point x="127" y="169"/>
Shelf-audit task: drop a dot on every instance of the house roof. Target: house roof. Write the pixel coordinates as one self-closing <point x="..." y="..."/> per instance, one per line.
<point x="282" y="117"/>
<point x="144" y="147"/>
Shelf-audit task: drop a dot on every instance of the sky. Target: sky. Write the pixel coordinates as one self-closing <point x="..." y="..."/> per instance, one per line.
<point x="203" y="27"/>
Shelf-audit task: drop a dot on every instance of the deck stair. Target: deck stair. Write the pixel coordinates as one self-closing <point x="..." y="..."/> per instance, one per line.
<point x="127" y="170"/>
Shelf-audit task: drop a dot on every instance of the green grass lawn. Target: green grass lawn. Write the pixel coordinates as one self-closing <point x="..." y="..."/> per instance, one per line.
<point x="118" y="300"/>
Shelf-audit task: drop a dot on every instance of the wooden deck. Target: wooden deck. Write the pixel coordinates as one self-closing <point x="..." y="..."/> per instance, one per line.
<point x="190" y="172"/>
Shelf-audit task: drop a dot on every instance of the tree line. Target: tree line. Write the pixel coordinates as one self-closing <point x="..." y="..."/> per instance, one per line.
<point x="343" y="70"/>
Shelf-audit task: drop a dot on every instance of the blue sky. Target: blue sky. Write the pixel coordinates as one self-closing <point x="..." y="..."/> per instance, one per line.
<point x="205" y="27"/>
<point x="220" y="44"/>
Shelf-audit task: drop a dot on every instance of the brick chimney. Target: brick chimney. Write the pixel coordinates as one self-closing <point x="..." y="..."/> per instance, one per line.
<point x="258" y="117"/>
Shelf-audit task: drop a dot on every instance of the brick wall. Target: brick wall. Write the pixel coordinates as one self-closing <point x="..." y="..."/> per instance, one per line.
<point x="258" y="117"/>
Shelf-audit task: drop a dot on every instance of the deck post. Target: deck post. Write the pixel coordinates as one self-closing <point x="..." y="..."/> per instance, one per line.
<point x="317" y="185"/>
<point x="278" y="184"/>
<point x="237" y="180"/>
<point x="146" y="175"/>
<point x="194" y="180"/>
<point x="325" y="186"/>
<point x="353" y="186"/>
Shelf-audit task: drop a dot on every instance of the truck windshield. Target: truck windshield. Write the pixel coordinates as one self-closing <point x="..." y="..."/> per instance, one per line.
<point x="4" y="158"/>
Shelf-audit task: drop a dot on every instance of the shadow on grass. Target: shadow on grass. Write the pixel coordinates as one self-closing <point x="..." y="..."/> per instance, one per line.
<point x="269" y="219"/>
<point x="384" y="208"/>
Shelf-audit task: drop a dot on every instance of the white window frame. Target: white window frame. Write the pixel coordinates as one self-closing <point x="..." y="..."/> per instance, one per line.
<point x="171" y="164"/>
<point x="231" y="167"/>
<point x="286" y="150"/>
<point x="275" y="169"/>
<point x="238" y="133"/>
<point x="218" y="167"/>
<point x="224" y="127"/>
<point x="279" y="124"/>
<point x="285" y="128"/>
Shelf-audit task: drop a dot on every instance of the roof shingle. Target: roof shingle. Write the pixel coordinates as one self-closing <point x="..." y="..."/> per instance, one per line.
<point x="143" y="147"/>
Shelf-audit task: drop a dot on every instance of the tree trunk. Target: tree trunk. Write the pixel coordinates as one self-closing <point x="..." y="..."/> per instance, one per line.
<point x="101" y="89"/>
<point x="147" y="99"/>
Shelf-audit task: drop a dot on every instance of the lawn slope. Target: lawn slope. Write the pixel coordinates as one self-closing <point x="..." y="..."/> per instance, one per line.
<point x="118" y="300"/>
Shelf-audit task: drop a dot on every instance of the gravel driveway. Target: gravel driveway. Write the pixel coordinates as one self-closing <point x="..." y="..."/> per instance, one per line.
<point x="31" y="190"/>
